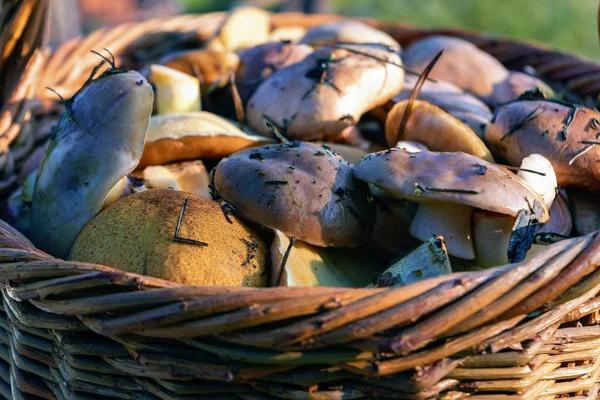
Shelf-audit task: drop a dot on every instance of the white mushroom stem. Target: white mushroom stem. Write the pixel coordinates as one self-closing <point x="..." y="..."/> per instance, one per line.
<point x="411" y="147"/>
<point x="491" y="235"/>
<point x="539" y="174"/>
<point x="451" y="220"/>
<point x="175" y="90"/>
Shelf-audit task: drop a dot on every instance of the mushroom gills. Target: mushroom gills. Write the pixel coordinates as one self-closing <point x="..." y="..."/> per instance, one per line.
<point x="452" y="221"/>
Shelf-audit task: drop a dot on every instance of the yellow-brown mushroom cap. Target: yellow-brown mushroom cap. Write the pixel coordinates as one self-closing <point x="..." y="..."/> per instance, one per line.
<point x="348" y="31"/>
<point x="450" y="177"/>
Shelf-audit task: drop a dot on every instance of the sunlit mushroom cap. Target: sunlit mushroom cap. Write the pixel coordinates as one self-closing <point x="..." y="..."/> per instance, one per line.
<point x="242" y="28"/>
<point x="188" y="136"/>
<point x="449" y="177"/>
<point x="303" y="190"/>
<point x="326" y="92"/>
<point x="461" y="64"/>
<point x="257" y="63"/>
<point x="563" y="134"/>
<point x="348" y="31"/>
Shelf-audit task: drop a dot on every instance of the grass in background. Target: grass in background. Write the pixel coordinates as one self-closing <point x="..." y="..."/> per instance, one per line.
<point x="569" y="25"/>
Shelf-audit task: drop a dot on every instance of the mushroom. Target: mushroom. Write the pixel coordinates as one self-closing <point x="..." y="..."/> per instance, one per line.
<point x="242" y="28"/>
<point x="177" y="236"/>
<point x="585" y="211"/>
<point x="351" y="154"/>
<point x="257" y="63"/>
<point x="348" y="32"/>
<point x="292" y="33"/>
<point x="515" y="85"/>
<point x="189" y="177"/>
<point x="175" y="91"/>
<point x="307" y="265"/>
<point x="430" y="125"/>
<point x="392" y="223"/>
<point x="565" y="134"/>
<point x="464" y="106"/>
<point x="188" y="136"/>
<point x="213" y="67"/>
<point x="448" y="187"/>
<point x="304" y="191"/>
<point x="428" y="260"/>
<point x="560" y="223"/>
<point x="98" y="140"/>
<point x="411" y="147"/>
<point x="536" y="170"/>
<point x="462" y="64"/>
<point x="327" y="92"/>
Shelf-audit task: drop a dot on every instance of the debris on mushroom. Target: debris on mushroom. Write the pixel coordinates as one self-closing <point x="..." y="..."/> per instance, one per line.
<point x="257" y="63"/>
<point x="464" y="106"/>
<point x="515" y="85"/>
<point x="177" y="236"/>
<point x="428" y="260"/>
<point x="174" y="91"/>
<point x="98" y="140"/>
<point x="327" y="92"/>
<point x="211" y="67"/>
<point x="189" y="136"/>
<point x="448" y="187"/>
<point x="585" y="211"/>
<point x="304" y="191"/>
<point x="292" y="33"/>
<point x="189" y="177"/>
<point x="463" y="64"/>
<point x="301" y="264"/>
<point x="430" y="125"/>
<point x="242" y="28"/>
<point x="348" y="32"/>
<point x="565" y="134"/>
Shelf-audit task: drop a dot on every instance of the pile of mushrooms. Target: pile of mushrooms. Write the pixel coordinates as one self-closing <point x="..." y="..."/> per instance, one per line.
<point x="327" y="156"/>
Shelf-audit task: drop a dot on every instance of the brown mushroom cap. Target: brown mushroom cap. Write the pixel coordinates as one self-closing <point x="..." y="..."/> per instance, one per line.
<point x="540" y="126"/>
<point x="257" y="63"/>
<point x="515" y="85"/>
<point x="462" y="64"/>
<point x="188" y="136"/>
<point x="450" y="177"/>
<point x="326" y="92"/>
<point x="303" y="190"/>
<point x="464" y="106"/>
<point x="136" y="235"/>
<point x="348" y="31"/>
<point x="438" y="130"/>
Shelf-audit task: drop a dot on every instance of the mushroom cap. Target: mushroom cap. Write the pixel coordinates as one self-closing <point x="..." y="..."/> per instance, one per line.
<point x="187" y="136"/>
<point x="438" y="130"/>
<point x="449" y="177"/>
<point x="450" y="98"/>
<point x="462" y="64"/>
<point x="560" y="217"/>
<point x="257" y="63"/>
<point x="136" y="235"/>
<point x="348" y="32"/>
<point x="293" y="33"/>
<point x="242" y="28"/>
<point x="188" y="176"/>
<point x="303" y="190"/>
<point x="98" y="140"/>
<point x="515" y="84"/>
<point x="573" y="160"/>
<point x="307" y="109"/>
<point x="174" y="91"/>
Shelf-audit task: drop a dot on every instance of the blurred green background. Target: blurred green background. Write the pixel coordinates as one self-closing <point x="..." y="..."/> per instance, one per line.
<point x="569" y="25"/>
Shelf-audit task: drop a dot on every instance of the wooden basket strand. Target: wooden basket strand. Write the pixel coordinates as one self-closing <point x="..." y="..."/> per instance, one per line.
<point x="72" y="330"/>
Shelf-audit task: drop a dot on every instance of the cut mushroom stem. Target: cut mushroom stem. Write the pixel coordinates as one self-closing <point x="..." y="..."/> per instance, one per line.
<point x="427" y="261"/>
<point x="451" y="220"/>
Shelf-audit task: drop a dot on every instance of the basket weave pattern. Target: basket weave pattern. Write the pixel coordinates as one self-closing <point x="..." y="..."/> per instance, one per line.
<point x="80" y="331"/>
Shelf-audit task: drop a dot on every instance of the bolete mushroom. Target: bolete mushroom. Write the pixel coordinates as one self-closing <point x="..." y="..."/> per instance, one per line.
<point x="243" y="27"/>
<point x="463" y="64"/>
<point x="565" y="134"/>
<point x="175" y="236"/>
<point x="438" y="130"/>
<point x="585" y="211"/>
<point x="188" y="136"/>
<point x="302" y="190"/>
<point x="293" y="33"/>
<point x="515" y="84"/>
<point x="307" y="265"/>
<point x="257" y="63"/>
<point x="175" y="91"/>
<point x="348" y="32"/>
<point x="98" y="140"/>
<point x="327" y="92"/>
<point x="189" y="177"/>
<point x="448" y="187"/>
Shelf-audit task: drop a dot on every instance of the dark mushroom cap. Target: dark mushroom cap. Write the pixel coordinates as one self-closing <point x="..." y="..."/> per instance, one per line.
<point x="326" y="92"/>
<point x="563" y="134"/>
<point x="461" y="178"/>
<point x="303" y="190"/>
<point x="462" y="64"/>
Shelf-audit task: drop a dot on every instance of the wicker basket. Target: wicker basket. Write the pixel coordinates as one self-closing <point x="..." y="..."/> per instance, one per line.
<point x="81" y="331"/>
